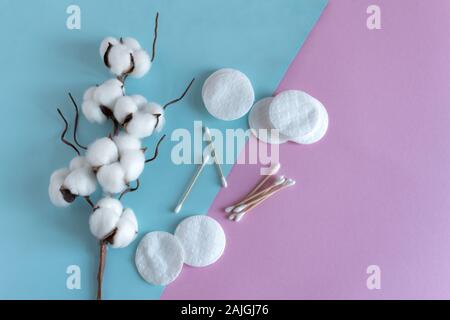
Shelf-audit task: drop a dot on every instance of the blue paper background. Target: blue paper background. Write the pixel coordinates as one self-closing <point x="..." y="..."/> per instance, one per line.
<point x="41" y="60"/>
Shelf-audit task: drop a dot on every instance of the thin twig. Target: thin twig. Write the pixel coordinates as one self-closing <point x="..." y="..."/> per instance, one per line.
<point x="156" y="150"/>
<point x="63" y="139"/>
<point x="155" y="38"/>
<point x="157" y="115"/>
<point x="129" y="190"/>
<point x="182" y="96"/>
<point x="77" y="117"/>
<point x="89" y="201"/>
<point x="106" y="56"/>
<point x="101" y="269"/>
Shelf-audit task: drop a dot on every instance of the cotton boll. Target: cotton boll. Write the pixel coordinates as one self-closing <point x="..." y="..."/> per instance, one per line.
<point x="89" y="93"/>
<point x="131" y="43"/>
<point x="102" y="152"/>
<point x="139" y="100"/>
<point x="141" y="125"/>
<point x="111" y="204"/>
<point x="107" y="93"/>
<point x="78" y="163"/>
<point x="112" y="178"/>
<point x="81" y="182"/>
<point x="103" y="222"/>
<point x="124" y="107"/>
<point x="133" y="163"/>
<point x="155" y="109"/>
<point x="142" y="64"/>
<point x="119" y="59"/>
<point x="126" y="142"/>
<point x="127" y="229"/>
<point x="93" y="112"/>
<point x="105" y="44"/>
<point x="56" y="181"/>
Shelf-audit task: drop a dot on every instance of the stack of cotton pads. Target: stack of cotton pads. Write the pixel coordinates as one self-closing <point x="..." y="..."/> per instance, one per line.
<point x="291" y="116"/>
<point x="199" y="241"/>
<point x="228" y="94"/>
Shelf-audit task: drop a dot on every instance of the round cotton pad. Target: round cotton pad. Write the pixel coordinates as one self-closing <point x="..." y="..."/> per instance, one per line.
<point x="320" y="130"/>
<point x="228" y="94"/>
<point x="203" y="240"/>
<point x="159" y="258"/>
<point x="294" y="113"/>
<point x="260" y="125"/>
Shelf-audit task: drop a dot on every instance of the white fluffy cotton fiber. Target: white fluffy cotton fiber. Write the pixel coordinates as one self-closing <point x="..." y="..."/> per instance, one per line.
<point x="78" y="163"/>
<point x="127" y="230"/>
<point x="133" y="163"/>
<point x="102" y="152"/>
<point x="111" y="178"/>
<point x="141" y="125"/>
<point x="155" y="109"/>
<point x="110" y="203"/>
<point x="119" y="58"/>
<point x="107" y="93"/>
<point x="126" y="142"/>
<point x="81" y="182"/>
<point x="124" y="107"/>
<point x="142" y="64"/>
<point x="159" y="258"/>
<point x="56" y="181"/>
<point x="102" y="222"/>
<point x="203" y="240"/>
<point x="109" y="216"/>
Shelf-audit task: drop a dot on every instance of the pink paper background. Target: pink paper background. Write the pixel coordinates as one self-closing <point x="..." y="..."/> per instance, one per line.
<point x="376" y="190"/>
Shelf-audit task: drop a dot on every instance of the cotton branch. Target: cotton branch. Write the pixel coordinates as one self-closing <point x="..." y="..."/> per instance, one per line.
<point x="63" y="135"/>
<point x="155" y="38"/>
<point x="156" y="150"/>
<point x="77" y="116"/>
<point x="129" y="189"/>
<point x="182" y="96"/>
<point x="89" y="201"/>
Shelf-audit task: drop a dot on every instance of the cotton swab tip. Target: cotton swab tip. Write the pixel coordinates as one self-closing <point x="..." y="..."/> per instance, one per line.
<point x="280" y="180"/>
<point x="177" y="209"/>
<point x="229" y="209"/>
<point x="224" y="182"/>
<point x="239" y="216"/>
<point x="207" y="133"/>
<point x="274" y="169"/>
<point x="232" y="217"/>
<point x="240" y="208"/>
<point x="290" y="182"/>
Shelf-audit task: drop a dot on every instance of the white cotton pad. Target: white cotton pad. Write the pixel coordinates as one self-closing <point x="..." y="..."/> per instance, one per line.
<point x="260" y="125"/>
<point x="159" y="258"/>
<point x="228" y="94"/>
<point x="320" y="131"/>
<point x="294" y="113"/>
<point x="203" y="240"/>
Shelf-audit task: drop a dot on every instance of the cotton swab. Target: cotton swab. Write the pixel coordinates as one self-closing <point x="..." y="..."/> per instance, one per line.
<point x="280" y="180"/>
<point x="191" y="184"/>
<point x="213" y="153"/>
<point x="272" y="171"/>
<point x="286" y="184"/>
<point x="237" y="216"/>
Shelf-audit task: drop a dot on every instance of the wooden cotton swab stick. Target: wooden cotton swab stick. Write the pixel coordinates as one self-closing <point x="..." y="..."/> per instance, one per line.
<point x="239" y="215"/>
<point x="213" y="153"/>
<point x="279" y="181"/>
<point x="272" y="171"/>
<point x="191" y="184"/>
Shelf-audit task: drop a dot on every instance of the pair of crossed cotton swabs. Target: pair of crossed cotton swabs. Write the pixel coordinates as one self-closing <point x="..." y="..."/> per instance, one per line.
<point x="205" y="160"/>
<point x="259" y="195"/>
